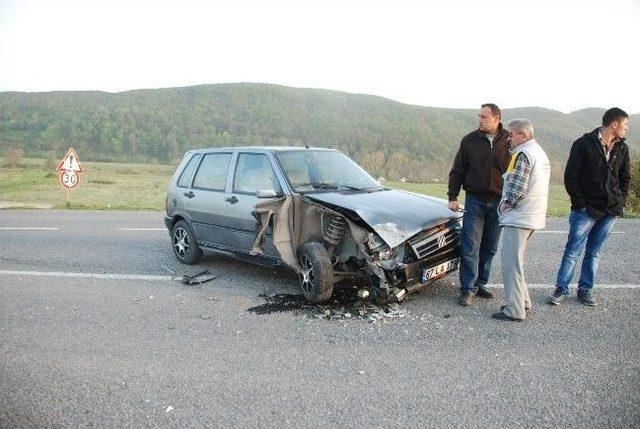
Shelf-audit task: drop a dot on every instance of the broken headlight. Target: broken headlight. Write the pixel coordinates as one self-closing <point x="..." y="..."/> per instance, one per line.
<point x="378" y="248"/>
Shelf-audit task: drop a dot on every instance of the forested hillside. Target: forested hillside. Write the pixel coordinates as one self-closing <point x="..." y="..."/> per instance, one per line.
<point x="388" y="138"/>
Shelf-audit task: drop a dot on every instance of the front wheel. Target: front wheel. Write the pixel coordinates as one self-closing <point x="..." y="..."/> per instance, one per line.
<point x="184" y="243"/>
<point x="316" y="278"/>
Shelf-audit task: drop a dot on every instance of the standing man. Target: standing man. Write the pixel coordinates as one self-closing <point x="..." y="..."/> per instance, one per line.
<point x="522" y="210"/>
<point x="481" y="160"/>
<point x="597" y="180"/>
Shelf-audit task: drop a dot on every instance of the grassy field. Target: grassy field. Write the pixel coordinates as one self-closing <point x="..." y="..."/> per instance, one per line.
<point x="103" y="186"/>
<point x="112" y="186"/>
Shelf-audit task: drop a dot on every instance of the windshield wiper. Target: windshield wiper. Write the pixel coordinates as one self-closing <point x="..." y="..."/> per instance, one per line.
<point x="317" y="185"/>
<point x="366" y="188"/>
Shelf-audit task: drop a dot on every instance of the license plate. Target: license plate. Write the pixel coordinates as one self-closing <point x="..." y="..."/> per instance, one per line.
<point x="438" y="270"/>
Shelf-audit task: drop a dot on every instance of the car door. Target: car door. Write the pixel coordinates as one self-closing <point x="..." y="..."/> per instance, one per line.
<point x="252" y="172"/>
<point x="205" y="202"/>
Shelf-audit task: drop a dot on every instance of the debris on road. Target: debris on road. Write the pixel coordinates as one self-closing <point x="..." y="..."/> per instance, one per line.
<point x="169" y="409"/>
<point x="168" y="269"/>
<point x="197" y="279"/>
<point x="346" y="303"/>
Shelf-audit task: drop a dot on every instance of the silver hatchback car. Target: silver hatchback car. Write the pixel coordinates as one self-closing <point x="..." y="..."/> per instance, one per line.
<point x="315" y="211"/>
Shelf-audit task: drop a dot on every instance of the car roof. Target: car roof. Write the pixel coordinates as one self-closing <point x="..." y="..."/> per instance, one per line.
<point x="260" y="149"/>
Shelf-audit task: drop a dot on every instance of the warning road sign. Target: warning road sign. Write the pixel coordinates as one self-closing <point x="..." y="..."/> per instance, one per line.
<point x="69" y="169"/>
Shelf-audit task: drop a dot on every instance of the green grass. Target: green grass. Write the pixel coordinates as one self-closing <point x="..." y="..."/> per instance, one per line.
<point x="113" y="186"/>
<point x="103" y="186"/>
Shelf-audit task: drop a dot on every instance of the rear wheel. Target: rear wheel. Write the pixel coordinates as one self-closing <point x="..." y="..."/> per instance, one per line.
<point x="316" y="278"/>
<point x="184" y="243"/>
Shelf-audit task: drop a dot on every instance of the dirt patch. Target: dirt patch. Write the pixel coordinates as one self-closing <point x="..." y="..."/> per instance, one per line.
<point x="15" y="205"/>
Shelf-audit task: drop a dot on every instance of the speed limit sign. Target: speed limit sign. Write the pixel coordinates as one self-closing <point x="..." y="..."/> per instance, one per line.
<point x="69" y="179"/>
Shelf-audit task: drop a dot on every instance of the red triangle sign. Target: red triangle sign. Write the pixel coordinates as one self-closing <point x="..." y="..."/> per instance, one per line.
<point x="70" y="162"/>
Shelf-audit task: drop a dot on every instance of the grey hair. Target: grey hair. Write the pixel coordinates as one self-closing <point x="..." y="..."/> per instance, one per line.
<point x="521" y="124"/>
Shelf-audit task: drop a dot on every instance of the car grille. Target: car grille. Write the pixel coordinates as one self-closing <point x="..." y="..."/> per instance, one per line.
<point x="440" y="238"/>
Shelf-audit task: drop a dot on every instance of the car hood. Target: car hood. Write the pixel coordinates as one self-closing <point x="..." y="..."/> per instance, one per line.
<point x="394" y="215"/>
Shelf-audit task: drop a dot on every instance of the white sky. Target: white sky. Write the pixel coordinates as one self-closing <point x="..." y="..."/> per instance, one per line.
<point x="564" y="55"/>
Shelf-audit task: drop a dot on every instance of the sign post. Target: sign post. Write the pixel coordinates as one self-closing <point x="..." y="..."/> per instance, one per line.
<point x="69" y="171"/>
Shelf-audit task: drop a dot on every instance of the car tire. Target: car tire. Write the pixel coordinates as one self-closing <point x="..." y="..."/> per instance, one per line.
<point x="184" y="244"/>
<point x="316" y="278"/>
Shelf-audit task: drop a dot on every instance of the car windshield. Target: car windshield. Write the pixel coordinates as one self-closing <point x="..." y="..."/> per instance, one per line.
<point x="311" y="170"/>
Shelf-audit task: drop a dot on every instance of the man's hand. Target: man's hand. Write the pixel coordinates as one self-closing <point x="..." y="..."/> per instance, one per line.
<point x="503" y="207"/>
<point x="454" y="206"/>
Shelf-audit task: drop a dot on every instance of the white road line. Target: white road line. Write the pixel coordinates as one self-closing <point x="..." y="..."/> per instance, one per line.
<point x="142" y="229"/>
<point x="87" y="275"/>
<point x="550" y="231"/>
<point x="28" y="228"/>
<point x="552" y="286"/>
<point x="169" y="278"/>
<point x="55" y="229"/>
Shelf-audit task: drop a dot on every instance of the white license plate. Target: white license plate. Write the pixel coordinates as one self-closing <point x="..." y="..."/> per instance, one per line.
<point x="438" y="270"/>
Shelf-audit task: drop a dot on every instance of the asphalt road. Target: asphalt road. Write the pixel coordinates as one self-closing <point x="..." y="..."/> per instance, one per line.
<point x="143" y="350"/>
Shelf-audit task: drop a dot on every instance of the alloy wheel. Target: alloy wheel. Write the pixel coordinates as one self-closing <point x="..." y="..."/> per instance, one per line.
<point x="181" y="242"/>
<point x="308" y="277"/>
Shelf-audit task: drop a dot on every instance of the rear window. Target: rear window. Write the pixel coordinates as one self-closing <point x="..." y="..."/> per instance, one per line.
<point x="185" y="178"/>
<point x="212" y="173"/>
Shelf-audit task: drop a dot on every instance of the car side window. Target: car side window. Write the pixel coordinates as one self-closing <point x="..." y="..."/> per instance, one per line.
<point x="253" y="173"/>
<point x="187" y="173"/>
<point x="212" y="173"/>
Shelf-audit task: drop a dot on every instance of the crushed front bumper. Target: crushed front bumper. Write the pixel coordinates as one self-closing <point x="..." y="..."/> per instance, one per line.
<point x="410" y="274"/>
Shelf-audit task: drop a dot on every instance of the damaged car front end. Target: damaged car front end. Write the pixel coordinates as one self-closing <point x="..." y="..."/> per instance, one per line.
<point x="329" y="220"/>
<point x="399" y="240"/>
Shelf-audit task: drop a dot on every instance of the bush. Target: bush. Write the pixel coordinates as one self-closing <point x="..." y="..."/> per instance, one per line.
<point x="13" y="157"/>
<point x="633" y="202"/>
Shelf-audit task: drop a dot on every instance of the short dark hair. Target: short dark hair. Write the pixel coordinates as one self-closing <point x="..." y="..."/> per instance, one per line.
<point x="495" y="110"/>
<point x="612" y="115"/>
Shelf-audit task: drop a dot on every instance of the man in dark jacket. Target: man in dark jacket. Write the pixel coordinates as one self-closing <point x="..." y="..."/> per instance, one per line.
<point x="597" y="179"/>
<point x="480" y="162"/>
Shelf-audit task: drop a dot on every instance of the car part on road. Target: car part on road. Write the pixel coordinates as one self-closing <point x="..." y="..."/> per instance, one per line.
<point x="196" y="279"/>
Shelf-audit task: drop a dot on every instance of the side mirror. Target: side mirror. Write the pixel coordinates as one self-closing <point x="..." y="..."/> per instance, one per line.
<point x="266" y="193"/>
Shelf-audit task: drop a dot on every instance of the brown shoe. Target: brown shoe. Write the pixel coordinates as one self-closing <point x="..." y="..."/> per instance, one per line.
<point x="466" y="299"/>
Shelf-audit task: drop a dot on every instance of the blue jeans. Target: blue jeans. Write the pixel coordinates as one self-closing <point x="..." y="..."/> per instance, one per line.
<point x="583" y="229"/>
<point x="480" y="237"/>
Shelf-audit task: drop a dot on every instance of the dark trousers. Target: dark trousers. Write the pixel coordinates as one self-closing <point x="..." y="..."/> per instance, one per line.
<point x="480" y="237"/>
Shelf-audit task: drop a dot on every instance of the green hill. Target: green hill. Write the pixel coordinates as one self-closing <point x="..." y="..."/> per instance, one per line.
<point x="388" y="138"/>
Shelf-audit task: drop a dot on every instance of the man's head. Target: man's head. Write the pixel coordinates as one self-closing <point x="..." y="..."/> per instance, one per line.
<point x="617" y="121"/>
<point x="520" y="131"/>
<point x="489" y="118"/>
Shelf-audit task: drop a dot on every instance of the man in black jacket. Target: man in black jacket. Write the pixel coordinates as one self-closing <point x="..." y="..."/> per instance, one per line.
<point x="480" y="162"/>
<point x="597" y="179"/>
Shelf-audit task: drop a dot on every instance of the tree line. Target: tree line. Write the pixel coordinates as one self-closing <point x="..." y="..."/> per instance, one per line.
<point x="387" y="138"/>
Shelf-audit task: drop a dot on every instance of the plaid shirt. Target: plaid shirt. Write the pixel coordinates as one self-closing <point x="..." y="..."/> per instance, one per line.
<point x="517" y="181"/>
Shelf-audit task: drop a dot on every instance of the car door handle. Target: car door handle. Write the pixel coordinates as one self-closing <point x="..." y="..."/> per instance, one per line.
<point x="189" y="194"/>
<point x="232" y="199"/>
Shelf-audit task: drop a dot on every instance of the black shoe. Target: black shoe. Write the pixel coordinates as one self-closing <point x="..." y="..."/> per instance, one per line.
<point x="558" y="297"/>
<point x="466" y="299"/>
<point x="502" y="316"/>
<point x="484" y="292"/>
<point x="525" y="309"/>
<point x="585" y="297"/>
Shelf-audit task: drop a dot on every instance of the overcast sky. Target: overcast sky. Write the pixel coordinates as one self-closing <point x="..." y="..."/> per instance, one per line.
<point x="564" y="55"/>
